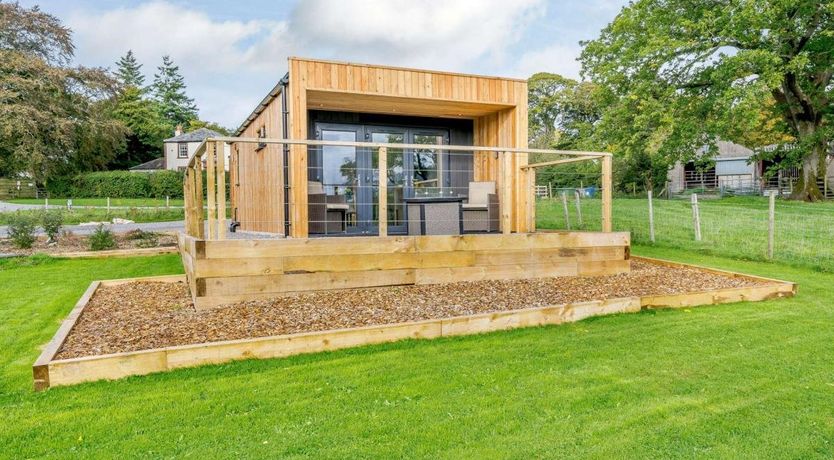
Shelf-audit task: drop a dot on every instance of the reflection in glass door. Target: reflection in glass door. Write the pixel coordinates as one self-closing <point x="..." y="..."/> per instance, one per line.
<point x="347" y="178"/>
<point x="396" y="187"/>
<point x="335" y="195"/>
<point x="426" y="163"/>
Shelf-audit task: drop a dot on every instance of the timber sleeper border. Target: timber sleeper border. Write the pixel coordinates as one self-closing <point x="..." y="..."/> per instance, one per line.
<point x="49" y="372"/>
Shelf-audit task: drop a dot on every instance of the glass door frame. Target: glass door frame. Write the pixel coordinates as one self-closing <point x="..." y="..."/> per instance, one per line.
<point x="370" y="130"/>
<point x="367" y="172"/>
<point x="362" y="192"/>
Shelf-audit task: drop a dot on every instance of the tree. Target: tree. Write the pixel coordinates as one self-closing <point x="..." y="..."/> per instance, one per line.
<point x="562" y="113"/>
<point x="55" y="119"/>
<point x="197" y="124"/>
<point x="680" y="73"/>
<point x="146" y="128"/>
<point x="129" y="71"/>
<point x="169" y="91"/>
<point x="34" y="33"/>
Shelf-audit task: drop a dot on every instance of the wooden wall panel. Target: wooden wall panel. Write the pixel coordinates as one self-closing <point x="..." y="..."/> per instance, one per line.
<point x="257" y="176"/>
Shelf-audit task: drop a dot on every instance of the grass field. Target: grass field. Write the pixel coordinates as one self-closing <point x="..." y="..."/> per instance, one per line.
<point x="128" y="202"/>
<point x="734" y="227"/>
<point x="78" y="215"/>
<point x="739" y="380"/>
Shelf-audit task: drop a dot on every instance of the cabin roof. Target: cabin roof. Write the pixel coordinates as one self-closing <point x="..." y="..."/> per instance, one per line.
<point x="276" y="90"/>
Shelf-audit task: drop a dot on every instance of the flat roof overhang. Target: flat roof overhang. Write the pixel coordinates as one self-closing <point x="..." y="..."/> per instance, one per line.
<point x="349" y="101"/>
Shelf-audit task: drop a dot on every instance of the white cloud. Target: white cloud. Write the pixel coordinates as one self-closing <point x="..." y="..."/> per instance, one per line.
<point x="158" y="28"/>
<point x="442" y="34"/>
<point x="229" y="65"/>
<point x="555" y="58"/>
<point x="207" y="51"/>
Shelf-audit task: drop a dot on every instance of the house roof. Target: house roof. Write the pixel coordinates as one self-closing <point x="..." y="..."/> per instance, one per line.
<point x="731" y="150"/>
<point x="156" y="163"/>
<point x="198" y="135"/>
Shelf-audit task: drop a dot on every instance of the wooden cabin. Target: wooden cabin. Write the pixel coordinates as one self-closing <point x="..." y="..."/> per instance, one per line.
<point x="322" y="100"/>
<point x="351" y="175"/>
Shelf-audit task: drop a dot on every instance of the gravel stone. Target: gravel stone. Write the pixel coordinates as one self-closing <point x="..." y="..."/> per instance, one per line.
<point x="143" y="315"/>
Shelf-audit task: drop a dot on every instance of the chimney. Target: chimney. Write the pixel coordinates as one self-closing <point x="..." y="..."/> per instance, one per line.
<point x="178" y="130"/>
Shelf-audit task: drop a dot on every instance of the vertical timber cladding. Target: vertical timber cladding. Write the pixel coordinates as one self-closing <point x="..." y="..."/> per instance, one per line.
<point x="498" y="107"/>
<point x="257" y="175"/>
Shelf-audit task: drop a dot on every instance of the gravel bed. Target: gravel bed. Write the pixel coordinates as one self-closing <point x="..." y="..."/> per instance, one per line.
<point x="143" y="315"/>
<point x="71" y="242"/>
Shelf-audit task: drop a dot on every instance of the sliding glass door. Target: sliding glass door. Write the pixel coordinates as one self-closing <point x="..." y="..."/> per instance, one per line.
<point x="397" y="184"/>
<point x="354" y="172"/>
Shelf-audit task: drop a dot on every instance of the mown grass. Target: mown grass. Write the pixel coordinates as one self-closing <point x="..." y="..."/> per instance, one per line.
<point x="79" y="215"/>
<point x="752" y="380"/>
<point x="126" y="202"/>
<point x="735" y="227"/>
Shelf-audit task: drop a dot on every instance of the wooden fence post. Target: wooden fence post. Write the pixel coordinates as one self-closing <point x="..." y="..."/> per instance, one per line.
<point x="565" y="209"/>
<point x="197" y="196"/>
<point x="211" y="190"/>
<point x="530" y="175"/>
<point x="550" y="190"/>
<point x="382" y="211"/>
<point x="651" y="217"/>
<point x="696" y="217"/>
<point x="220" y="157"/>
<point x="607" y="184"/>
<point x="108" y="204"/>
<point x="771" y="224"/>
<point x="187" y="199"/>
<point x="505" y="194"/>
<point x="577" y="194"/>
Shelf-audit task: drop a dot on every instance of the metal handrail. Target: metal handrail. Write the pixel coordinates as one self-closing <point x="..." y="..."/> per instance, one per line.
<point x="504" y="164"/>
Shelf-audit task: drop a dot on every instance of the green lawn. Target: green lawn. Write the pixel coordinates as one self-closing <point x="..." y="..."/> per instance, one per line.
<point x="741" y="380"/>
<point x="141" y="202"/>
<point x="734" y="227"/>
<point x="78" y="215"/>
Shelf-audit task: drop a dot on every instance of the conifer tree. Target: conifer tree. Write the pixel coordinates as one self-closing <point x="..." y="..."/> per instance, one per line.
<point x="129" y="71"/>
<point x="169" y="91"/>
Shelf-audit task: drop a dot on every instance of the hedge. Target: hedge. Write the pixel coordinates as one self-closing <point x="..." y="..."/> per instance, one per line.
<point x="119" y="184"/>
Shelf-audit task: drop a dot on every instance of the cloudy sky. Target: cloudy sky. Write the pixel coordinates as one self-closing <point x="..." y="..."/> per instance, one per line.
<point x="232" y="53"/>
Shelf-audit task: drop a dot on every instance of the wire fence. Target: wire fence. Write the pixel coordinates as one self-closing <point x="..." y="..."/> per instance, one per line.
<point x="738" y="227"/>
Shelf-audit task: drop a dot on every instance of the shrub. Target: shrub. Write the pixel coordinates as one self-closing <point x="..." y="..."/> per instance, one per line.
<point x="143" y="239"/>
<point x="119" y="184"/>
<point x="165" y="183"/>
<point x="101" y="239"/>
<point x="51" y="221"/>
<point x="22" y="229"/>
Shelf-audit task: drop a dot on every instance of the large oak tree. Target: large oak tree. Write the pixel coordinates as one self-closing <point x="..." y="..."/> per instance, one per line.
<point x="54" y="118"/>
<point x="681" y="73"/>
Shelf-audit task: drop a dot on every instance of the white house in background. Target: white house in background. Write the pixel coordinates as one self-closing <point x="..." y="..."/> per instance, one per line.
<point x="179" y="149"/>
